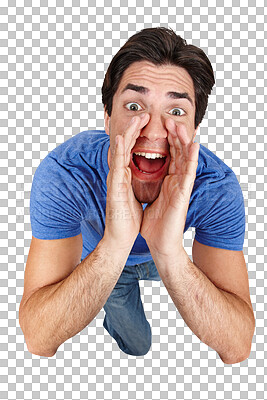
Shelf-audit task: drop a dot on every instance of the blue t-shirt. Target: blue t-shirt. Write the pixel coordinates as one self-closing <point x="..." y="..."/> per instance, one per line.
<point x="68" y="197"/>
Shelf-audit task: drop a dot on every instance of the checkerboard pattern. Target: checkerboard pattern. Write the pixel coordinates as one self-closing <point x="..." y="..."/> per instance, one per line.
<point x="53" y="58"/>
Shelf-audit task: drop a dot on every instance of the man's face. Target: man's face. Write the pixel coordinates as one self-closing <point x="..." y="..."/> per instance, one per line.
<point x="162" y="92"/>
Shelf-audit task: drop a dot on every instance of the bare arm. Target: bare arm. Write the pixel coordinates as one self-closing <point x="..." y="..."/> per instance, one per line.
<point x="212" y="292"/>
<point x="221" y="316"/>
<point x="55" y="313"/>
<point x="62" y="296"/>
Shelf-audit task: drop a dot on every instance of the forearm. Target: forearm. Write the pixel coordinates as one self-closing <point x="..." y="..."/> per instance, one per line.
<point x="57" y="312"/>
<point x="220" y="319"/>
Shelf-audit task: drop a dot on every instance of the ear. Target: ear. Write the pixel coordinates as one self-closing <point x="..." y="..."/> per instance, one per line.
<point x="107" y="120"/>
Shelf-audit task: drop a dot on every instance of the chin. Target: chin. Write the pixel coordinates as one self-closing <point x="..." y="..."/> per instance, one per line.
<point x="146" y="192"/>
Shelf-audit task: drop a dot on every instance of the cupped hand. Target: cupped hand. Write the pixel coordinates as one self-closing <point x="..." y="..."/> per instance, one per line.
<point x="123" y="212"/>
<point x="164" y="220"/>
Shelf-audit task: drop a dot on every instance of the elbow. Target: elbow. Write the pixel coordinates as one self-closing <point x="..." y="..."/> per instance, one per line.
<point x="244" y="350"/>
<point x="40" y="353"/>
<point x="33" y="349"/>
<point x="36" y="349"/>
<point x="236" y="359"/>
<point x="241" y="355"/>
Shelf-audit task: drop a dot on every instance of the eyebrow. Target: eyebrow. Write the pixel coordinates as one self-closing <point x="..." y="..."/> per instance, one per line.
<point x="144" y="90"/>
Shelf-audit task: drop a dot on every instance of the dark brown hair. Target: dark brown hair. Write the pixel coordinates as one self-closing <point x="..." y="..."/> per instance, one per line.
<point x="161" y="46"/>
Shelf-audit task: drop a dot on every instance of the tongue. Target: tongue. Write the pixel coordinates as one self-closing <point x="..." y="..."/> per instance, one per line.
<point x="147" y="164"/>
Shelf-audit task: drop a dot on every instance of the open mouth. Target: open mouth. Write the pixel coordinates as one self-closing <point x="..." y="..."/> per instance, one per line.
<point x="148" y="163"/>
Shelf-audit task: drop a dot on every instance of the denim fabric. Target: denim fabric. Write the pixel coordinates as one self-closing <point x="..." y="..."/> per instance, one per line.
<point x="125" y="319"/>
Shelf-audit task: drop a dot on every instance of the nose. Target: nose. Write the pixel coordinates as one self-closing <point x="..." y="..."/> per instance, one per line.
<point x="155" y="128"/>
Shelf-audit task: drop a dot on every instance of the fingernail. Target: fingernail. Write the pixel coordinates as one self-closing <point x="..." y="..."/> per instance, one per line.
<point x="142" y="116"/>
<point x="132" y="120"/>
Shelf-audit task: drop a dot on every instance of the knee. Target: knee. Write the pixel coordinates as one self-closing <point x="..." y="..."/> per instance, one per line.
<point x="142" y="349"/>
<point x="142" y="352"/>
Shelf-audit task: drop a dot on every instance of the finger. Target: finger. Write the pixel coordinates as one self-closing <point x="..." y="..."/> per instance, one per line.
<point x="181" y="139"/>
<point x="192" y="161"/>
<point x="189" y="176"/>
<point x="172" y="154"/>
<point x="188" y="181"/>
<point x="189" y="165"/>
<point x="131" y="135"/>
<point x="119" y="178"/>
<point x="193" y="152"/>
<point x="172" y="130"/>
<point x="179" y="131"/>
<point x="120" y="155"/>
<point x="186" y="155"/>
<point x="133" y="132"/>
<point x="118" y="160"/>
<point x="177" y="150"/>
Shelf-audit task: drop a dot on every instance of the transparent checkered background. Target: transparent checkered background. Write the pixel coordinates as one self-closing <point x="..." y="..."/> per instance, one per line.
<point x="53" y="58"/>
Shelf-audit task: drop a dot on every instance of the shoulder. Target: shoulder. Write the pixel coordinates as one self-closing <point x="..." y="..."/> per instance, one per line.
<point x="210" y="165"/>
<point x="62" y="183"/>
<point x="213" y="176"/>
<point x="83" y="143"/>
<point x="76" y="155"/>
<point x="217" y="204"/>
<point x="216" y="191"/>
<point x="72" y="168"/>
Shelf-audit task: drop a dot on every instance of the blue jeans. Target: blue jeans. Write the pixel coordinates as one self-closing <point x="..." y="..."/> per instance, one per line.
<point x="125" y="319"/>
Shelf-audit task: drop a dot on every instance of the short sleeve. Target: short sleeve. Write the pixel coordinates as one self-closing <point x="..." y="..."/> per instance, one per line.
<point x="54" y="210"/>
<point x="221" y="222"/>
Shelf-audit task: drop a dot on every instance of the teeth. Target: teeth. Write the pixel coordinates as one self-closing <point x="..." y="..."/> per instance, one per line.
<point x="150" y="155"/>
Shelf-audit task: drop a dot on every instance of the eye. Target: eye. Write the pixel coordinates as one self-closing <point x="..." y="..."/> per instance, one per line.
<point x="177" y="111"/>
<point x="133" y="107"/>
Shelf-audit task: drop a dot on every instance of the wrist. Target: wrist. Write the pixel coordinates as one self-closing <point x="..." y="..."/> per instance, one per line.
<point x="114" y="246"/>
<point x="169" y="259"/>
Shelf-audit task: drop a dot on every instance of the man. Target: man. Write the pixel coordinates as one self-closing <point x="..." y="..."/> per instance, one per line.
<point x="121" y="200"/>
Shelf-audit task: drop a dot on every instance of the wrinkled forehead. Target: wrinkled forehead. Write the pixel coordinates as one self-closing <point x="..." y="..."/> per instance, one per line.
<point x="148" y="75"/>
